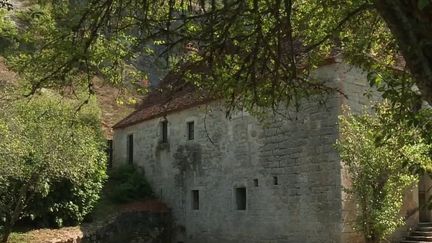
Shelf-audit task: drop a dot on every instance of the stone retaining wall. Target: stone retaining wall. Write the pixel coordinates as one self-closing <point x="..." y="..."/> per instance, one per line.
<point x="133" y="227"/>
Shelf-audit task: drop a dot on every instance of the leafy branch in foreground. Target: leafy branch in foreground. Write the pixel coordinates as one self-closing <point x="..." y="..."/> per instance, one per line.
<point x="6" y="4"/>
<point x="252" y="53"/>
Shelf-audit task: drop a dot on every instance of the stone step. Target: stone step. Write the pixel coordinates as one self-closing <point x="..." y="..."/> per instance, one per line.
<point x="413" y="241"/>
<point x="419" y="238"/>
<point x="421" y="224"/>
<point x="424" y="228"/>
<point x="421" y="233"/>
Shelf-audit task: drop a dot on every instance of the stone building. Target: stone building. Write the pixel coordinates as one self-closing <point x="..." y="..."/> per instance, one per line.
<point x="243" y="179"/>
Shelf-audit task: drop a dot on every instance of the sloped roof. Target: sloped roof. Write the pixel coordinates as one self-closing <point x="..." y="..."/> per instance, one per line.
<point x="173" y="94"/>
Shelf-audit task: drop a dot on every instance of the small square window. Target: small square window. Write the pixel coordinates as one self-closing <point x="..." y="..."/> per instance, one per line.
<point x="164" y="128"/>
<point x="195" y="199"/>
<point x="191" y="130"/>
<point x="240" y="196"/>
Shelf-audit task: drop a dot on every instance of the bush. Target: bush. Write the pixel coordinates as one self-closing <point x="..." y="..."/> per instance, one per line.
<point x="67" y="203"/>
<point x="126" y="184"/>
<point x="379" y="153"/>
<point x="52" y="161"/>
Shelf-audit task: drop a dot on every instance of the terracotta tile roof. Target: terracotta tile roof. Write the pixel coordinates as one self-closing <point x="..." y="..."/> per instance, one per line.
<point x="173" y="95"/>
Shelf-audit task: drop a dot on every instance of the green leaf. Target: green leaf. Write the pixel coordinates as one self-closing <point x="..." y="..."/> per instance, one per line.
<point x="423" y="4"/>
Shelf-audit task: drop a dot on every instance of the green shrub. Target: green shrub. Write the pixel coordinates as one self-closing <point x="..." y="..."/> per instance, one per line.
<point x="67" y="203"/>
<point x="379" y="153"/>
<point x="126" y="184"/>
<point x="52" y="161"/>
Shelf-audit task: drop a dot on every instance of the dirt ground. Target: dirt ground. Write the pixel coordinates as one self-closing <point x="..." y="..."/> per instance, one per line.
<point x="67" y="234"/>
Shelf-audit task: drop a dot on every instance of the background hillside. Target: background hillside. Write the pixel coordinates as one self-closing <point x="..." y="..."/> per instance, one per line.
<point x="107" y="96"/>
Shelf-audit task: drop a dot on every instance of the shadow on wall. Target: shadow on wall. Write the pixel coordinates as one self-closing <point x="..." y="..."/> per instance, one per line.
<point x="187" y="158"/>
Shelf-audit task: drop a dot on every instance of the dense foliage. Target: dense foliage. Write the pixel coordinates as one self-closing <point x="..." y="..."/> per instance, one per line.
<point x="252" y="53"/>
<point x="52" y="161"/>
<point x="384" y="157"/>
<point x="67" y="203"/>
<point x="6" y="4"/>
<point x="127" y="184"/>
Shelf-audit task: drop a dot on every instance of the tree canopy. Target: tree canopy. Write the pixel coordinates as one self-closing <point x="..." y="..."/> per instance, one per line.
<point x="253" y="53"/>
<point x="52" y="160"/>
<point x="382" y="167"/>
<point x="6" y="4"/>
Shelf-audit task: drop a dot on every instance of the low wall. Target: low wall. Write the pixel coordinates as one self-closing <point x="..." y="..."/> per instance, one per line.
<point x="132" y="227"/>
<point x="140" y="222"/>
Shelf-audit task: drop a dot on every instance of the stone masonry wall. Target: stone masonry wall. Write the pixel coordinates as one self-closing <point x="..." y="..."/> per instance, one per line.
<point x="355" y="87"/>
<point x="305" y="205"/>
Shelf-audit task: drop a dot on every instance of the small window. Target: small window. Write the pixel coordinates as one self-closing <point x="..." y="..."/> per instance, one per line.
<point x="190" y="130"/>
<point x="275" y="180"/>
<point x="130" y="147"/>
<point x="255" y="182"/>
<point x="240" y="196"/>
<point x="195" y="199"/>
<point x="164" y="128"/>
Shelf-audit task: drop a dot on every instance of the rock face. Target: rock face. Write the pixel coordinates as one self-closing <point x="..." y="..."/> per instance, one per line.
<point x="277" y="180"/>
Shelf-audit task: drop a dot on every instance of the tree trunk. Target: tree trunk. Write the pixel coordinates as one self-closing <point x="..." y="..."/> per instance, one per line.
<point x="16" y="212"/>
<point x="14" y="217"/>
<point x="372" y="240"/>
<point x="7" y="231"/>
<point x="412" y="29"/>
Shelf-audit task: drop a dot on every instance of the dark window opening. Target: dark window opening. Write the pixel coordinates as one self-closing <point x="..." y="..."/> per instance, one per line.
<point x="109" y="151"/>
<point x="190" y="129"/>
<point x="195" y="199"/>
<point x="130" y="146"/>
<point x="164" y="127"/>
<point x="255" y="182"/>
<point x="240" y="195"/>
<point x="275" y="180"/>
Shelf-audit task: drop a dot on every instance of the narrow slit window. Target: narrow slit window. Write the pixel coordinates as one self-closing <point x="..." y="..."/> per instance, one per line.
<point x="109" y="151"/>
<point x="130" y="147"/>
<point x="164" y="128"/>
<point x="275" y="180"/>
<point x="191" y="130"/>
<point x="240" y="196"/>
<point x="195" y="199"/>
